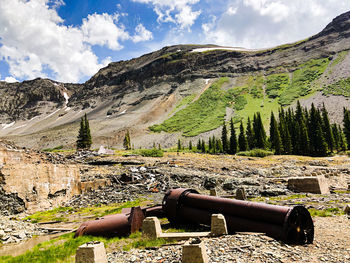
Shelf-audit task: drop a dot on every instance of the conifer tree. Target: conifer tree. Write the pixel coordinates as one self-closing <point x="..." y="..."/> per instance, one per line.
<point x="190" y="146"/>
<point x="199" y="145"/>
<point x="259" y="131"/>
<point x="179" y="145"/>
<point x="88" y="140"/>
<point x="327" y="130"/>
<point x="242" y="140"/>
<point x="275" y="137"/>
<point x="346" y="124"/>
<point x="250" y="135"/>
<point x="80" y="140"/>
<point x="233" y="139"/>
<point x="224" y="140"/>
<point x="127" y="142"/>
<point x="84" y="140"/>
<point x="203" y="146"/>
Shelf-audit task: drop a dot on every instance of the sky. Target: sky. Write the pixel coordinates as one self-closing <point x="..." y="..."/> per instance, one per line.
<point x="70" y="40"/>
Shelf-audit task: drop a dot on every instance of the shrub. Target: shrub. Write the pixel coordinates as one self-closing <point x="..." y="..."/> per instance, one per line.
<point x="256" y="153"/>
<point x="150" y="152"/>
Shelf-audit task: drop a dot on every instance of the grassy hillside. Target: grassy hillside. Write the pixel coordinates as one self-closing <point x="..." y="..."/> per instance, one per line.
<point x="263" y="93"/>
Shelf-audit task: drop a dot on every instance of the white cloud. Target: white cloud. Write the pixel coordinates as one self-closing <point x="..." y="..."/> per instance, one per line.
<point x="142" y="34"/>
<point x="102" y="30"/>
<point x="35" y="42"/>
<point x="174" y="11"/>
<point x="266" y="23"/>
<point x="11" y="80"/>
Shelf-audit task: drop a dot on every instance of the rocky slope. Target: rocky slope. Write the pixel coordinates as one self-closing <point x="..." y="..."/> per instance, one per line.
<point x="148" y="90"/>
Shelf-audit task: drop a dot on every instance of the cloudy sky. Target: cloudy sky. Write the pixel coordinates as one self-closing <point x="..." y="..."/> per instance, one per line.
<point x="70" y="40"/>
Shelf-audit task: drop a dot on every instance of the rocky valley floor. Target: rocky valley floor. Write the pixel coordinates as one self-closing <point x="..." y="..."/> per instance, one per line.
<point x="139" y="180"/>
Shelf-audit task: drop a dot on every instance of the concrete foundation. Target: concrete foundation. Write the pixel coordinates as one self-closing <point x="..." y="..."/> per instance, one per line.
<point x="91" y="252"/>
<point x="194" y="253"/>
<point x="218" y="225"/>
<point x="312" y="184"/>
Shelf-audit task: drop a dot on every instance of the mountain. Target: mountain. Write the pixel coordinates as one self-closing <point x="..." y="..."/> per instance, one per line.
<point x="182" y="91"/>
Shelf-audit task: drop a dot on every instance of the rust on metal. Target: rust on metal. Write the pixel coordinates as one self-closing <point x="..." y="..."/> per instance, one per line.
<point x="292" y="225"/>
<point x="113" y="225"/>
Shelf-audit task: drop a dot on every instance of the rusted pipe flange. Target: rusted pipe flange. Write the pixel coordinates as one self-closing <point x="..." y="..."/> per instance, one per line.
<point x="172" y="202"/>
<point x="298" y="226"/>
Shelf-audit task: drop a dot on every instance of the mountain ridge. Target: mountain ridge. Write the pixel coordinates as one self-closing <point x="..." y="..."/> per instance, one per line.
<point x="141" y="92"/>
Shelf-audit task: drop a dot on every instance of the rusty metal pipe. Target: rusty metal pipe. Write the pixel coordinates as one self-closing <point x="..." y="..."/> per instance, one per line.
<point x="290" y="224"/>
<point x="113" y="225"/>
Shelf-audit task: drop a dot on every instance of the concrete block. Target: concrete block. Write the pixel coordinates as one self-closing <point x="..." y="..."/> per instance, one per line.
<point x="213" y="192"/>
<point x="316" y="185"/>
<point x="194" y="251"/>
<point x="240" y="194"/>
<point x="218" y="225"/>
<point x="151" y="227"/>
<point x="91" y="252"/>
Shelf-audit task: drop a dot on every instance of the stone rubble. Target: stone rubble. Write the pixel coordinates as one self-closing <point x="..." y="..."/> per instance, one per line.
<point x="15" y="231"/>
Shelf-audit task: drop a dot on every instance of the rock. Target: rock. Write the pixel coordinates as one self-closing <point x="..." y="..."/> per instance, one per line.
<point x="210" y="183"/>
<point x="240" y="194"/>
<point x="347" y="209"/>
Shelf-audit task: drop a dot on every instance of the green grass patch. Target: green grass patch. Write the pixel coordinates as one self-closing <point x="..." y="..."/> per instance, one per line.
<point x="340" y="57"/>
<point x="301" y="84"/>
<point x="55" y="149"/>
<point x="62" y="213"/>
<point x="205" y="114"/>
<point x="102" y="210"/>
<point x="149" y="152"/>
<point x="341" y="88"/>
<point x="61" y="249"/>
<point x="326" y="212"/>
<point x="184" y="102"/>
<point x="276" y="83"/>
<point x="256" y="153"/>
<point x="56" y="214"/>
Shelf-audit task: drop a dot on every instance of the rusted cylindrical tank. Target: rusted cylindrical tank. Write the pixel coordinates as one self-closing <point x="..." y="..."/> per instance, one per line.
<point x="292" y="225"/>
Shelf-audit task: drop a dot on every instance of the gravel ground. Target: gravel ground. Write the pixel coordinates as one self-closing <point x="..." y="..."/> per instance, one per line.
<point x="331" y="244"/>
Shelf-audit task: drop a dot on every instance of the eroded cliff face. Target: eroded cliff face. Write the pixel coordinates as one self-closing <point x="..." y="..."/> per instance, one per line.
<point x="29" y="182"/>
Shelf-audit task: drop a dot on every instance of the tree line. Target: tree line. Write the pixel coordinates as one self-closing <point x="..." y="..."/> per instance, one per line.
<point x="299" y="132"/>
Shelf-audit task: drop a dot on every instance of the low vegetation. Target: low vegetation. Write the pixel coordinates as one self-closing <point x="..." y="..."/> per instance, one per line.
<point x="63" y="248"/>
<point x="62" y="214"/>
<point x="206" y="113"/>
<point x="256" y="153"/>
<point x="149" y="152"/>
<point x="339" y="88"/>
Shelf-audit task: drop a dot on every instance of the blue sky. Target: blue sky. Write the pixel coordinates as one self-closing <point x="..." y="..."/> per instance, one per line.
<point x="70" y="40"/>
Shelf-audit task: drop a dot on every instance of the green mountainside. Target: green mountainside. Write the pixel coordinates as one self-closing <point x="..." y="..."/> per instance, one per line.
<point x="255" y="93"/>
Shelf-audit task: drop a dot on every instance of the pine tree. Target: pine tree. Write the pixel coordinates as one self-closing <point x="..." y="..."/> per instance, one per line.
<point x="224" y="140"/>
<point x="259" y="131"/>
<point x="127" y="142"/>
<point x="250" y="135"/>
<point x="199" y="145"/>
<point x="203" y="146"/>
<point x="327" y="130"/>
<point x="275" y="137"/>
<point x="233" y="139"/>
<point x="346" y="124"/>
<point x="80" y="140"/>
<point x="242" y="140"/>
<point x="88" y="140"/>
<point x="179" y="145"/>
<point x="190" y="146"/>
<point x="84" y="140"/>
